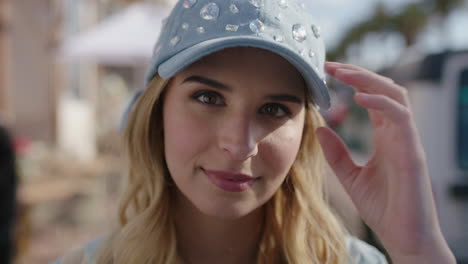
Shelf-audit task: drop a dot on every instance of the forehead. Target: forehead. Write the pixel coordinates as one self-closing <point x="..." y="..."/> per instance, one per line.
<point x="247" y="64"/>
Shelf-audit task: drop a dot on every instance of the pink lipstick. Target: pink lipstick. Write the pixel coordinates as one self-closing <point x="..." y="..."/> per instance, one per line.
<point x="230" y="182"/>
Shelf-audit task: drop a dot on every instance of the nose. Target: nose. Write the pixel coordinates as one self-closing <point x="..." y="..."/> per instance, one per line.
<point x="237" y="138"/>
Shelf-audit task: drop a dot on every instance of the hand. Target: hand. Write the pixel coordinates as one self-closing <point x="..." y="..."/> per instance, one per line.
<point x="392" y="192"/>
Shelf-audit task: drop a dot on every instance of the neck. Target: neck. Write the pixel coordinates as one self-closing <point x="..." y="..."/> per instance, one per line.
<point x="208" y="239"/>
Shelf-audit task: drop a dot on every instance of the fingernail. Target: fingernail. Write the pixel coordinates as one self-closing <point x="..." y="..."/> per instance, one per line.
<point x="332" y="63"/>
<point x="342" y="71"/>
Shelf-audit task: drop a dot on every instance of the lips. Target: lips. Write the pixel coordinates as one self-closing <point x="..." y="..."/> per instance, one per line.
<point x="228" y="181"/>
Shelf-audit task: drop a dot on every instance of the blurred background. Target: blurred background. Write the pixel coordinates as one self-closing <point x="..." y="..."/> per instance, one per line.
<point x="68" y="69"/>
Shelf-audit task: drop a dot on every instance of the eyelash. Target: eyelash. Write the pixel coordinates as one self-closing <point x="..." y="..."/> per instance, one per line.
<point x="278" y="107"/>
<point x="199" y="94"/>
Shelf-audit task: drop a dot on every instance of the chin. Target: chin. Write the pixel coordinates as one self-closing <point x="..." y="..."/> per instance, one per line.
<point x="228" y="211"/>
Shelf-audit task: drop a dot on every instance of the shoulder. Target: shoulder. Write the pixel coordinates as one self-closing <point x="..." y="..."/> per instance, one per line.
<point x="83" y="255"/>
<point x="363" y="253"/>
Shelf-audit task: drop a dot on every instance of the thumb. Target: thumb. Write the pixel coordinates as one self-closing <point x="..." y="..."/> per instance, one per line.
<point x="337" y="155"/>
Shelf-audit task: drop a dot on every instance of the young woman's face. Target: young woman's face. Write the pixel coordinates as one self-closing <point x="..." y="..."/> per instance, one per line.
<point x="233" y="124"/>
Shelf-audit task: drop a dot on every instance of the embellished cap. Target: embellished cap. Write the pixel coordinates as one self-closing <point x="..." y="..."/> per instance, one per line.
<point x="197" y="28"/>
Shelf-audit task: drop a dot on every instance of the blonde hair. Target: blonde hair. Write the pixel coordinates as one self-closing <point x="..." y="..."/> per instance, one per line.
<point x="300" y="227"/>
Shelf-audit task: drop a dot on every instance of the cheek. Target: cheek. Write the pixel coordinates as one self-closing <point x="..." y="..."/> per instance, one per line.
<point x="184" y="139"/>
<point x="280" y="149"/>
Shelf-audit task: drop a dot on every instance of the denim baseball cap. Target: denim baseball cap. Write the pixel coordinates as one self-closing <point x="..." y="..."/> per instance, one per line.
<point x="197" y="28"/>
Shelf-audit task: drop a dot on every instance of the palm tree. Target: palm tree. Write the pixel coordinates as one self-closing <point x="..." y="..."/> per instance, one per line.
<point x="444" y="7"/>
<point x="441" y="9"/>
<point x="409" y="23"/>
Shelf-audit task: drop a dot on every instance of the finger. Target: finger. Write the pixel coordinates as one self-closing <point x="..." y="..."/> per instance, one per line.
<point x="393" y="110"/>
<point x="375" y="117"/>
<point x="380" y="84"/>
<point x="369" y="83"/>
<point x="338" y="157"/>
<point x="331" y="68"/>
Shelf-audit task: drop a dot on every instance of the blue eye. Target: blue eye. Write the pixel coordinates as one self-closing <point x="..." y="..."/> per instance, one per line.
<point x="275" y="110"/>
<point x="208" y="97"/>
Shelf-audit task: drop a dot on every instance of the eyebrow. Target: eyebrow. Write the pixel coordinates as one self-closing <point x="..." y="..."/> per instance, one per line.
<point x="221" y="86"/>
<point x="207" y="81"/>
<point x="285" y="98"/>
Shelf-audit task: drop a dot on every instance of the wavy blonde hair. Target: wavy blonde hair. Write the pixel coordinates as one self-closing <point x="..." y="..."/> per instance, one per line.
<point x="300" y="229"/>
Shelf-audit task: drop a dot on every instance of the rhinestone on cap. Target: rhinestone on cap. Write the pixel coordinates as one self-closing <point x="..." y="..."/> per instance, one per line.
<point x="175" y="40"/>
<point x="200" y="30"/>
<point x="189" y="3"/>
<point x="283" y="3"/>
<point x="256" y="3"/>
<point x="210" y="11"/>
<point x="299" y="32"/>
<point x="279" y="17"/>
<point x="316" y="30"/>
<point x="233" y="28"/>
<point x="257" y="26"/>
<point x="313" y="57"/>
<point x="312" y="53"/>
<point x="185" y="26"/>
<point x="279" y="38"/>
<point x="234" y="9"/>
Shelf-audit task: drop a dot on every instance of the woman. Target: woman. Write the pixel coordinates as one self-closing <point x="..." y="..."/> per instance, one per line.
<point x="225" y="148"/>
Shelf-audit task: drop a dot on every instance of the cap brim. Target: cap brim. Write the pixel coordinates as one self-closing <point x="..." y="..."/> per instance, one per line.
<point x="317" y="87"/>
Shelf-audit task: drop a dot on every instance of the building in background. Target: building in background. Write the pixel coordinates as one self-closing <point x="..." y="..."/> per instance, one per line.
<point x="106" y="64"/>
<point x="27" y="70"/>
<point x="438" y="89"/>
<point x="36" y="85"/>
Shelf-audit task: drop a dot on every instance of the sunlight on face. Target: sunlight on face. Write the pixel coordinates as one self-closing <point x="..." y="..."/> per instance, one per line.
<point x="233" y="123"/>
